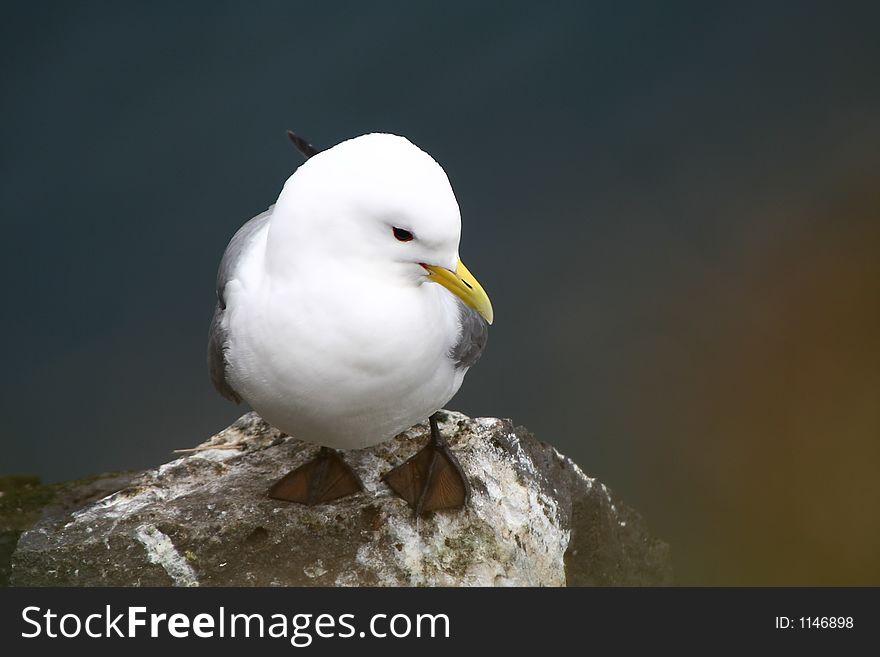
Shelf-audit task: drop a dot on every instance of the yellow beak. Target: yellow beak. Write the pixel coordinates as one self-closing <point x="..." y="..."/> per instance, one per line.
<point x="463" y="285"/>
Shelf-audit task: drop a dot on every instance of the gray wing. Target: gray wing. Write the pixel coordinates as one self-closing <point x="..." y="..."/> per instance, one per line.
<point x="217" y="335"/>
<point x="473" y="338"/>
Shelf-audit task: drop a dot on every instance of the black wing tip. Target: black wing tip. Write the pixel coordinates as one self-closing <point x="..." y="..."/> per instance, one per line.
<point x="302" y="145"/>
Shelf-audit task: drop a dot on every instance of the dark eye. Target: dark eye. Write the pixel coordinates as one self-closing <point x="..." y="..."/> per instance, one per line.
<point x="402" y="234"/>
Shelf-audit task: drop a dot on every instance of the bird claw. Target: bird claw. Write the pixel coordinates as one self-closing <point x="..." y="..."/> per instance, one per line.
<point x="325" y="478"/>
<point x="431" y="480"/>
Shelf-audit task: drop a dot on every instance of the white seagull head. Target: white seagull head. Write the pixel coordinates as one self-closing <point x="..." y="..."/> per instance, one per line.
<point x="374" y="203"/>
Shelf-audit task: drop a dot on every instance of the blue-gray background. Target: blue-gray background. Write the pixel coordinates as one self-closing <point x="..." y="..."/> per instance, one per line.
<point x="674" y="207"/>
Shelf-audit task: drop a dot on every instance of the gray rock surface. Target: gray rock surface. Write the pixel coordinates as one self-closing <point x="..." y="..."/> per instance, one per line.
<point x="204" y="519"/>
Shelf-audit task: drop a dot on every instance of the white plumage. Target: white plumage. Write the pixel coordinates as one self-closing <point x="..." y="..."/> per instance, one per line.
<point x="332" y="327"/>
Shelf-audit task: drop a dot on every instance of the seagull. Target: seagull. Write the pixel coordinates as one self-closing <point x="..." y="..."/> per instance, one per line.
<point x="344" y="316"/>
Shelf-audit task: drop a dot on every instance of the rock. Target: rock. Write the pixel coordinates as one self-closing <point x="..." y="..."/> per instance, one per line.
<point x="24" y="499"/>
<point x="534" y="520"/>
<point x="21" y="498"/>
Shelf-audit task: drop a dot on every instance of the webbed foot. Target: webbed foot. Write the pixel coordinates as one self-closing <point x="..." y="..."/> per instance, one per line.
<point x="432" y="479"/>
<point x="325" y="478"/>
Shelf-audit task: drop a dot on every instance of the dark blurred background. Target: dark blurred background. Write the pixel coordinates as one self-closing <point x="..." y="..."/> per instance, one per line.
<point x="674" y="206"/>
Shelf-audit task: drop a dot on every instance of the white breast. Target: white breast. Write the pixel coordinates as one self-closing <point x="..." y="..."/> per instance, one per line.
<point x="346" y="362"/>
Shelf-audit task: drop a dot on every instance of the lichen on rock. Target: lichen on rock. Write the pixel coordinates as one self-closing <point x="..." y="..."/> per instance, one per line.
<point x="534" y="519"/>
